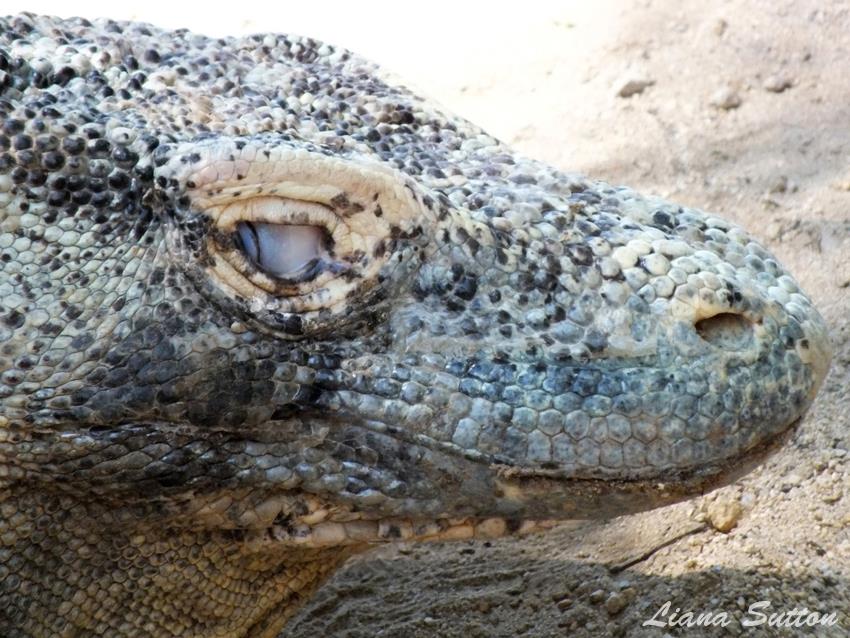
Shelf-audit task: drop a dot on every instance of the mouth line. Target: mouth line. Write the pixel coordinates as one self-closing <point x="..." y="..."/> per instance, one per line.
<point x="380" y="530"/>
<point x="509" y="469"/>
<point x="512" y="494"/>
<point x="745" y="459"/>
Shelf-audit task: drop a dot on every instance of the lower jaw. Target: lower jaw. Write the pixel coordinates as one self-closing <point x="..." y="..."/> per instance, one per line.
<point x="583" y="499"/>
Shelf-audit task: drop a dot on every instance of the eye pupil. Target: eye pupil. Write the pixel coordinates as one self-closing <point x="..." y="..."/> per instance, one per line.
<point x="284" y="251"/>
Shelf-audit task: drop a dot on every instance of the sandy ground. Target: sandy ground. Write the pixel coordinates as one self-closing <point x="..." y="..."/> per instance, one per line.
<point x="745" y="112"/>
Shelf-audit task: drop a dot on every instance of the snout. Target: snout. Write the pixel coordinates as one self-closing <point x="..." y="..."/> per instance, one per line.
<point x="731" y="361"/>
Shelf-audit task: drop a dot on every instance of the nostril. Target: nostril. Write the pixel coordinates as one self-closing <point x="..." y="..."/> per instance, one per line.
<point x="727" y="331"/>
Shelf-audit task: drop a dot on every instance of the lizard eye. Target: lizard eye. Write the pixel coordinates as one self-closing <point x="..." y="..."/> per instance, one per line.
<point x="302" y="243"/>
<point x="281" y="246"/>
<point x="284" y="251"/>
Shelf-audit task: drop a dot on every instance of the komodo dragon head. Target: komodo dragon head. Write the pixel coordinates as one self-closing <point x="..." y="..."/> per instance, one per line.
<point x="260" y="307"/>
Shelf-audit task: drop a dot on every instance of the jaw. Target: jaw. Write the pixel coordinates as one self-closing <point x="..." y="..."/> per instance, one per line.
<point x="541" y="498"/>
<point x="265" y="556"/>
<point x="603" y="499"/>
<point x="357" y="483"/>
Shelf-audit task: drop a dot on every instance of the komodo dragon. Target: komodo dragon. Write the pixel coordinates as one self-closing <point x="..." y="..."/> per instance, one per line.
<point x="262" y="308"/>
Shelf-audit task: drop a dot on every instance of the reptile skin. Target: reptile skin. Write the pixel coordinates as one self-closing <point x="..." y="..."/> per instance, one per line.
<point x="190" y="442"/>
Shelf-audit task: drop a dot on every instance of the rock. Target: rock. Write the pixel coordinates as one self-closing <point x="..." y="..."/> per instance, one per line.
<point x="779" y="185"/>
<point x="790" y="481"/>
<point x="832" y="497"/>
<point x="597" y="596"/>
<point x="842" y="185"/>
<point x="726" y="98"/>
<point x="720" y="27"/>
<point x="564" y="603"/>
<point x="615" y="603"/>
<point x="633" y="85"/>
<point x="777" y="83"/>
<point x="724" y="514"/>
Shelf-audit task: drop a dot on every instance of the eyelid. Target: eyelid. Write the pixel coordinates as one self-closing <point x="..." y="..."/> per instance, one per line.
<point x="375" y="216"/>
<point x="275" y="210"/>
<point x="279" y="210"/>
<point x="249" y="273"/>
<point x="284" y="251"/>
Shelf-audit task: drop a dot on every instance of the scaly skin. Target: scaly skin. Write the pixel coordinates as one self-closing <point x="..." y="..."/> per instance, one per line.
<point x="189" y="446"/>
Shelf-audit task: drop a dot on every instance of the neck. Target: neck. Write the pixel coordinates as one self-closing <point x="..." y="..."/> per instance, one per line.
<point x="100" y="569"/>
